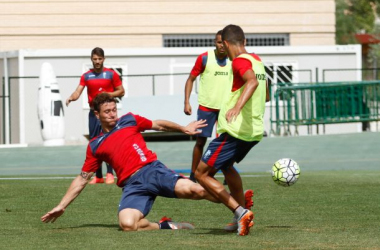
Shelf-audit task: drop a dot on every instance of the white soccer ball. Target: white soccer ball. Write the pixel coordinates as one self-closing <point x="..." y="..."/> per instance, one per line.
<point x="285" y="172"/>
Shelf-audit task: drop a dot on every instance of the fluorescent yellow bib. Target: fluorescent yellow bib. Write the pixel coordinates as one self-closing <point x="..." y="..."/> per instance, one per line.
<point x="249" y="124"/>
<point x="215" y="82"/>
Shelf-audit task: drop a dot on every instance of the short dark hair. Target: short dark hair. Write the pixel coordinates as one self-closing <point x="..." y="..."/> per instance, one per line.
<point x="97" y="51"/>
<point x="218" y="33"/>
<point x="233" y="34"/>
<point x="101" y="99"/>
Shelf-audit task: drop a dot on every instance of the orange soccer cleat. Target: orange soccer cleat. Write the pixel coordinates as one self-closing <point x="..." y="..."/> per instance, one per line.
<point x="245" y="223"/>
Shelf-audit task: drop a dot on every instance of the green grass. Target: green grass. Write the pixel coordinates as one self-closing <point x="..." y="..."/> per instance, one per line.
<point x="324" y="210"/>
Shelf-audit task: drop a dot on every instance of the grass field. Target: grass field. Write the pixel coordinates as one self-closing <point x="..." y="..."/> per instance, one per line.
<point x="323" y="210"/>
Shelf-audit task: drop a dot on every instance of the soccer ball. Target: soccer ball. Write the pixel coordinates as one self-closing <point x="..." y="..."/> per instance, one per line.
<point x="285" y="172"/>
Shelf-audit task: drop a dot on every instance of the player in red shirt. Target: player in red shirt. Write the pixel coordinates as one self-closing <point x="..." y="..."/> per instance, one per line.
<point x="139" y="173"/>
<point x="98" y="80"/>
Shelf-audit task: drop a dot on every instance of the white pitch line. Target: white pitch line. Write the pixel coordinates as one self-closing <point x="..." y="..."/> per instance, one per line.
<point x="63" y="178"/>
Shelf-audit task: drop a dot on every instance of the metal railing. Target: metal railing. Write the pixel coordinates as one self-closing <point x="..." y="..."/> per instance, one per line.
<point x="325" y="103"/>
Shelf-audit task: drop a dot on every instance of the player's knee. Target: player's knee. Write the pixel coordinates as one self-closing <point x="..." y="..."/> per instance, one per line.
<point x="128" y="225"/>
<point x="197" y="191"/>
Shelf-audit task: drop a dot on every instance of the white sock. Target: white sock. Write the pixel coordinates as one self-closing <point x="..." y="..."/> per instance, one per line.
<point x="239" y="211"/>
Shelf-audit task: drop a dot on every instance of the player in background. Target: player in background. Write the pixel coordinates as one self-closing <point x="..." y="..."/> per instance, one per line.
<point x="98" y="80"/>
<point x="214" y="69"/>
<point x="240" y="125"/>
<point x="141" y="176"/>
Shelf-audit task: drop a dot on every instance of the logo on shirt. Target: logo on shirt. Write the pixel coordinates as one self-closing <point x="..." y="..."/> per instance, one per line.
<point x="220" y="73"/>
<point x="207" y="154"/>
<point x="139" y="152"/>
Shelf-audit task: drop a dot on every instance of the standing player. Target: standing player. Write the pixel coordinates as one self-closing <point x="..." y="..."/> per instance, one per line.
<point x="215" y="83"/>
<point x="240" y="125"/>
<point x="98" y="80"/>
<point x="138" y="171"/>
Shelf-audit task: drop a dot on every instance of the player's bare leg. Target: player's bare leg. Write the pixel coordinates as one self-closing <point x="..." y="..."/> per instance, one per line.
<point x="133" y="220"/>
<point x="197" y="155"/>
<point x="235" y="184"/>
<point x="186" y="189"/>
<point x="205" y="176"/>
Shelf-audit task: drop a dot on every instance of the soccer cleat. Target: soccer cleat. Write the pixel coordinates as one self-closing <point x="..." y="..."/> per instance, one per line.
<point x="96" y="180"/>
<point x="248" y="194"/>
<point x="233" y="226"/>
<point x="110" y="179"/>
<point x="167" y="223"/>
<point x="244" y="222"/>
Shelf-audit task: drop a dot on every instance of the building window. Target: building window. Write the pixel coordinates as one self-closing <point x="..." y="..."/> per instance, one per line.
<point x="175" y="41"/>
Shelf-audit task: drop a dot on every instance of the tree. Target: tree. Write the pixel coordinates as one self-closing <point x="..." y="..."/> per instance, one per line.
<point x="354" y="16"/>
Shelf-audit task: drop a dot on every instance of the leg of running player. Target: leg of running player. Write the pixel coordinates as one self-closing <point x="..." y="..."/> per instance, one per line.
<point x="205" y="176"/>
<point x="235" y="184"/>
<point x="197" y="154"/>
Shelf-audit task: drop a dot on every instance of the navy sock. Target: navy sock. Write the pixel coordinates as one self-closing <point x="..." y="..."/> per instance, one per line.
<point x="164" y="225"/>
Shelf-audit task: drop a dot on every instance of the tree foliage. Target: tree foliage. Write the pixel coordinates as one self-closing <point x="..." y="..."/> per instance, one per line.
<point x="355" y="16"/>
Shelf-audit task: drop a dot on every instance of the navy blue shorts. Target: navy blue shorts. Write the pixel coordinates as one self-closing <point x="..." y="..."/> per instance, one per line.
<point x="94" y="126"/>
<point x="211" y="117"/>
<point x="141" y="190"/>
<point x="225" y="150"/>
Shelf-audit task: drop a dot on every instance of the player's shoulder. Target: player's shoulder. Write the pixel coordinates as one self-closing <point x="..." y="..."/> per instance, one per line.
<point x="203" y="55"/>
<point x="248" y="56"/>
<point x="90" y="71"/>
<point x="128" y="119"/>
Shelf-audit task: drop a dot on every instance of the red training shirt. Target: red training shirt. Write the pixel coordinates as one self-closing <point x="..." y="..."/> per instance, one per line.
<point x="123" y="148"/>
<point x="96" y="83"/>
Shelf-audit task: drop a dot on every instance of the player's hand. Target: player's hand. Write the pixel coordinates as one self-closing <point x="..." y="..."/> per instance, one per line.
<point x="68" y="100"/>
<point x="232" y="114"/>
<point x="193" y="127"/>
<point x="187" y="109"/>
<point x="52" y="215"/>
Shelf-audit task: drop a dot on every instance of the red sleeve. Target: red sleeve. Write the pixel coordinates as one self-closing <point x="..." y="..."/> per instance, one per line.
<point x="198" y="67"/>
<point x="143" y="123"/>
<point x="116" y="80"/>
<point x="91" y="164"/>
<point x="82" y="81"/>
<point x="241" y="65"/>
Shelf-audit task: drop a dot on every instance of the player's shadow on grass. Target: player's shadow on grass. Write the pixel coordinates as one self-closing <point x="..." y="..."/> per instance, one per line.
<point x="278" y="227"/>
<point x="93" y="225"/>
<point x="213" y="231"/>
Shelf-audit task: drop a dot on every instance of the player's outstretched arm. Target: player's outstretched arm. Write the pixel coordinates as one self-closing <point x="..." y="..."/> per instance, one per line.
<point x="76" y="187"/>
<point x="75" y="95"/>
<point x="191" y="129"/>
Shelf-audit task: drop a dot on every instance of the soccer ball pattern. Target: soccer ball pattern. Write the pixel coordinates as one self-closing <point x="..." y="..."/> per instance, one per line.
<point x="285" y="172"/>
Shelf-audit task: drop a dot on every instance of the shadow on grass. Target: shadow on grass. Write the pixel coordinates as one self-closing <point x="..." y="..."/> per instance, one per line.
<point x="213" y="231"/>
<point x="278" y="227"/>
<point x="91" y="225"/>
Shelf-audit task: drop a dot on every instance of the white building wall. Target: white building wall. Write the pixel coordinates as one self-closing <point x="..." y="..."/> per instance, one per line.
<point x="169" y="91"/>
